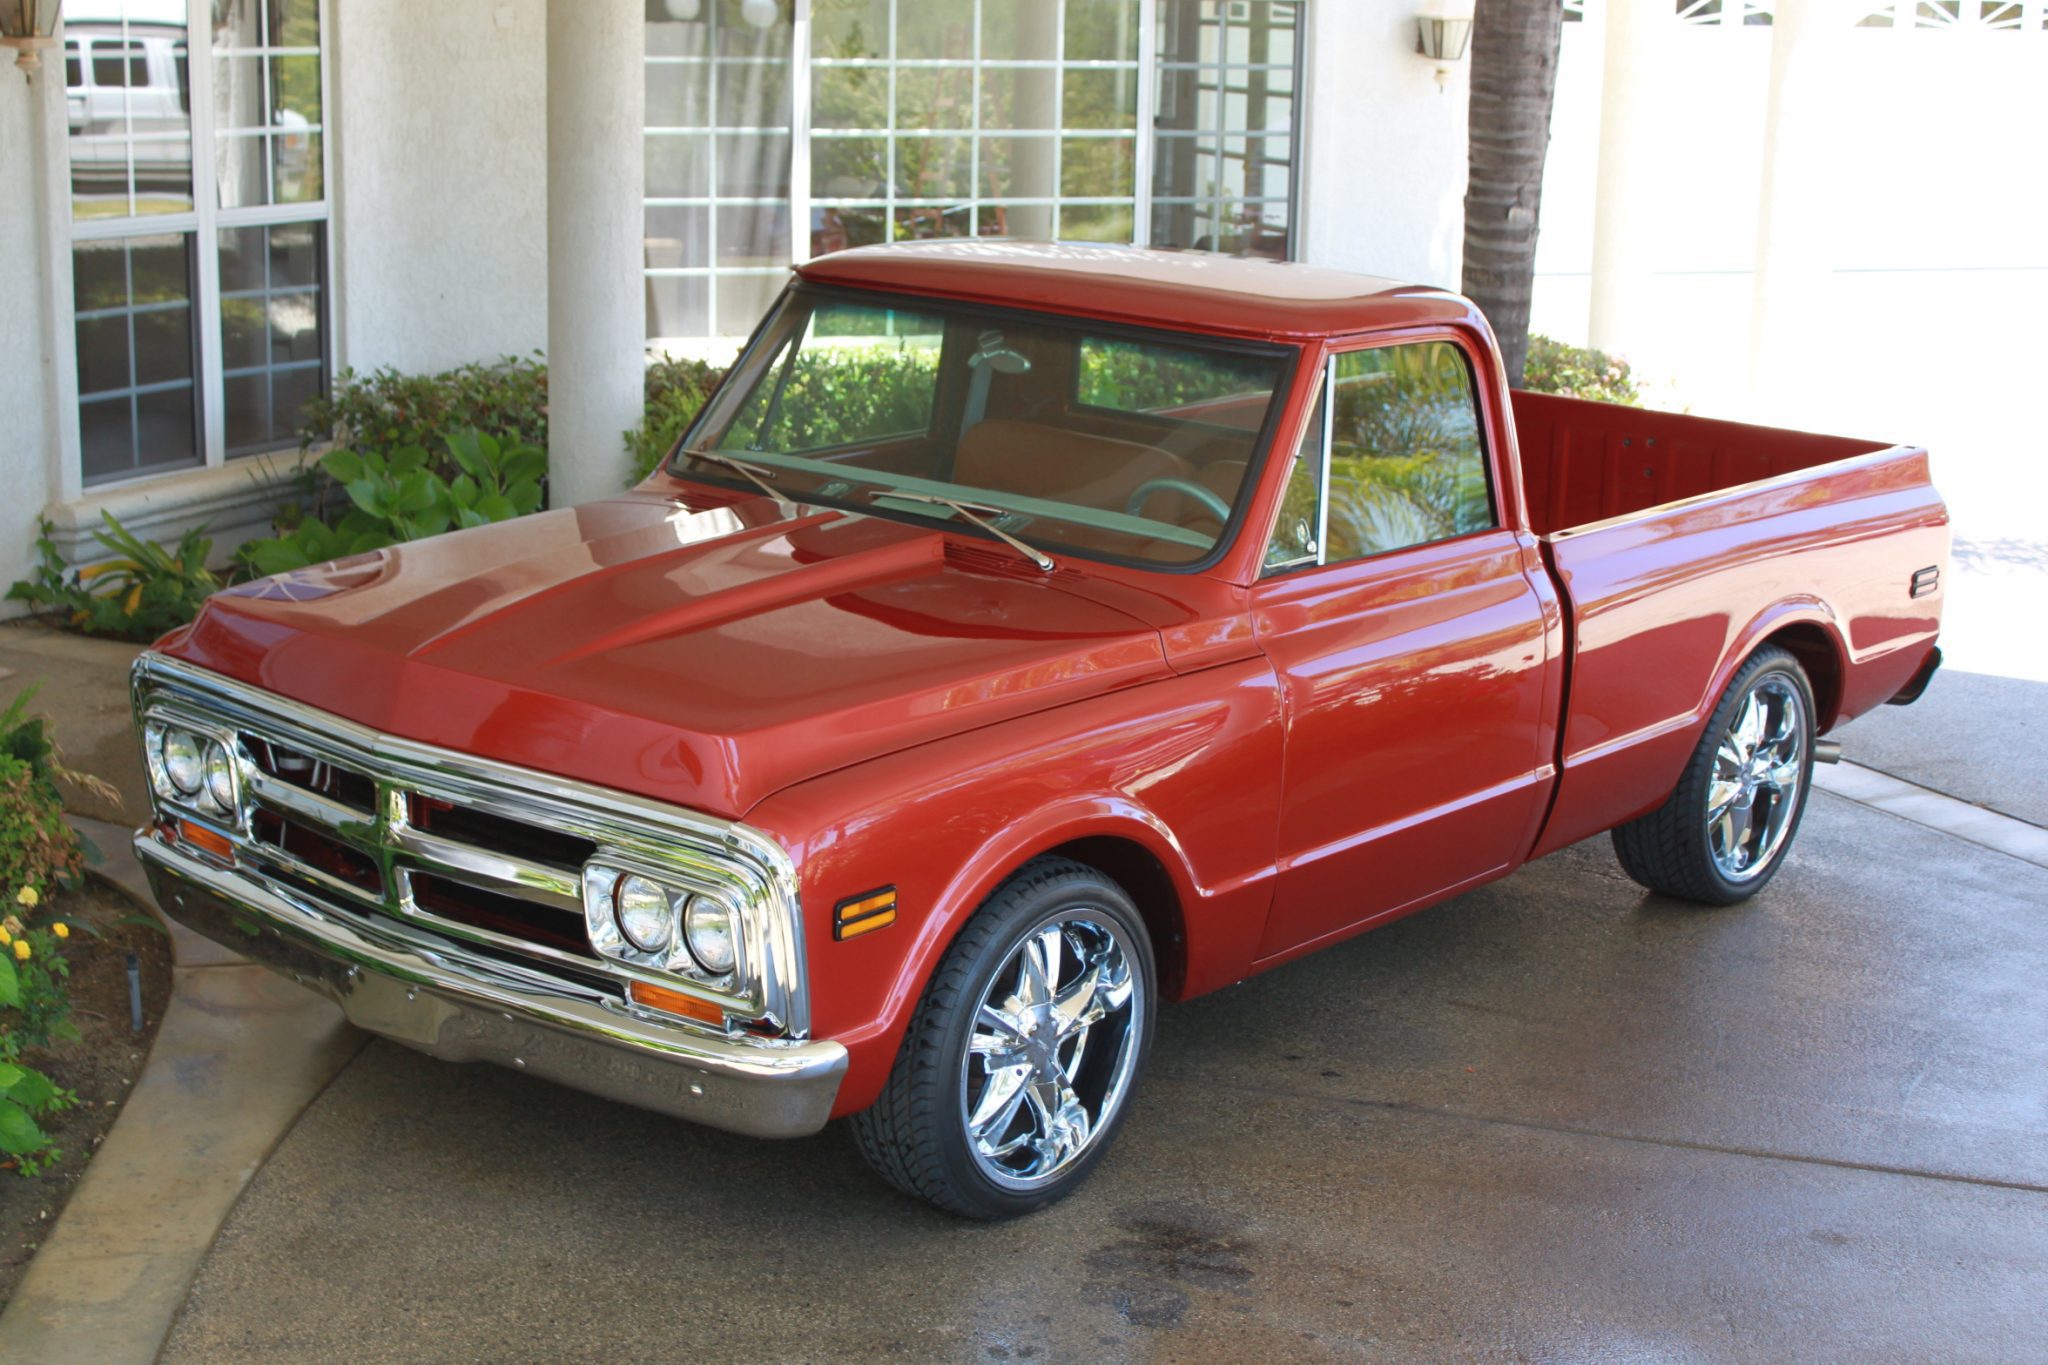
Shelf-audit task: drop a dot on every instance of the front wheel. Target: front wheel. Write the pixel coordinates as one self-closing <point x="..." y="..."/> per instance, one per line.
<point x="1736" y="809"/>
<point x="1018" y="1068"/>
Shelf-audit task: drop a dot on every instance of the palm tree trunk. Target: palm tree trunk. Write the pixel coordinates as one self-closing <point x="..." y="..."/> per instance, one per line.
<point x="1514" y="76"/>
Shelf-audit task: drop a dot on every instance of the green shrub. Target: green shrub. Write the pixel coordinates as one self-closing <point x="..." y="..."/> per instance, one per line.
<point x="385" y="411"/>
<point x="143" y="591"/>
<point x="401" y="496"/>
<point x="1578" y="372"/>
<point x="25" y="1095"/>
<point x="38" y="851"/>
<point x="1147" y="378"/>
<point x="676" y="389"/>
<point x="837" y="395"/>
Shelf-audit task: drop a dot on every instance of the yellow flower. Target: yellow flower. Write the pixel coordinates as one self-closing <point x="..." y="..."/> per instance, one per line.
<point x="21" y="949"/>
<point x="27" y="896"/>
<point x="61" y="929"/>
<point x="5" y="937"/>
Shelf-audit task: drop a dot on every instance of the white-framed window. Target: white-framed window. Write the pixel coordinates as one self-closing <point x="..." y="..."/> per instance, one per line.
<point x="779" y="130"/>
<point x="199" y="250"/>
<point x="1223" y="171"/>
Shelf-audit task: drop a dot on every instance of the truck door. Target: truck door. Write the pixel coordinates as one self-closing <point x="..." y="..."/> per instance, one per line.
<point x="1411" y="643"/>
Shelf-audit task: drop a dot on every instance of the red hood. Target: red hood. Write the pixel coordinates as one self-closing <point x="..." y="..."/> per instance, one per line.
<point x="705" y="653"/>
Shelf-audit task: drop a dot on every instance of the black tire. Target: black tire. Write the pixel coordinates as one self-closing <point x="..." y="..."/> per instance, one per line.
<point x="916" y="1135"/>
<point x="1673" y="849"/>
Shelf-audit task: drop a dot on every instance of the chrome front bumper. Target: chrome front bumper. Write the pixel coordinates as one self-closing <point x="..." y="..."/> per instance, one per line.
<point x="451" y="1005"/>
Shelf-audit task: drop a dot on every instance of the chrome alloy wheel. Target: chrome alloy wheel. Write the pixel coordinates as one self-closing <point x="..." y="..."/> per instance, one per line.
<point x="1759" y="779"/>
<point x="1055" y="1041"/>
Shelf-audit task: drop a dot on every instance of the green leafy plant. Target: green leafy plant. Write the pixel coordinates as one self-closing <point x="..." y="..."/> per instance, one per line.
<point x="499" y="479"/>
<point x="28" y="740"/>
<point x="26" y="1095"/>
<point x="401" y="496"/>
<point x="837" y="395"/>
<point x="385" y="411"/>
<point x="139" y="593"/>
<point x="676" y="390"/>
<point x="35" y="1010"/>
<point x="37" y="851"/>
<point x="1578" y="372"/>
<point x="37" y="848"/>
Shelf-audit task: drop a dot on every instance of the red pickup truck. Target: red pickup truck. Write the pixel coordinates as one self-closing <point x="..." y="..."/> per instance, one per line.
<point x="1023" y="636"/>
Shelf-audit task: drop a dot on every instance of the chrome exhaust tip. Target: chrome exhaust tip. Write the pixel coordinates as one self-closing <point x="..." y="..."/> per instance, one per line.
<point x="1827" y="751"/>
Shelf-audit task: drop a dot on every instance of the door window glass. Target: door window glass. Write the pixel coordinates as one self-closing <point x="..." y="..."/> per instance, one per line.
<point x="1406" y="463"/>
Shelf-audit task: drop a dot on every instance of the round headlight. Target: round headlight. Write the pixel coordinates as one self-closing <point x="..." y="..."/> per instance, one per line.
<point x="220" y="777"/>
<point x="183" y="763"/>
<point x="707" y="928"/>
<point x="641" y="908"/>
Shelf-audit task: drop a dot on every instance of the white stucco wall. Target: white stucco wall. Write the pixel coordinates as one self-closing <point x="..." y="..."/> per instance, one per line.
<point x="1383" y="179"/>
<point x="440" y="196"/>
<point x="26" y="429"/>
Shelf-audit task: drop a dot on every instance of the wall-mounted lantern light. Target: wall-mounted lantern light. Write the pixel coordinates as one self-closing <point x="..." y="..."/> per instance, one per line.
<point x="1443" y="39"/>
<point x="28" y="26"/>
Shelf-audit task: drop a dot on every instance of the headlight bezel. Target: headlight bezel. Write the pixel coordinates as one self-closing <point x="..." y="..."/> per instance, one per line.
<point x="736" y="989"/>
<point x="203" y="801"/>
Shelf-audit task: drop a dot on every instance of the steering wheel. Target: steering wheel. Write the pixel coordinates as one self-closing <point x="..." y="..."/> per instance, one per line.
<point x="1205" y="496"/>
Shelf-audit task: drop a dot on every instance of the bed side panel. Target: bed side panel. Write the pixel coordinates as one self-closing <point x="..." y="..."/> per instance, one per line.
<point x="1665" y="607"/>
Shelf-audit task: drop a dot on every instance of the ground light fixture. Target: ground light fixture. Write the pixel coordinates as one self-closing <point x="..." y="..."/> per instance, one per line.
<point x="1443" y="39"/>
<point x="29" y="26"/>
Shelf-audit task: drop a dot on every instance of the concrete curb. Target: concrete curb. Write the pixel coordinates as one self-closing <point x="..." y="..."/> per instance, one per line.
<point x="240" y="1055"/>
<point x="1936" y="810"/>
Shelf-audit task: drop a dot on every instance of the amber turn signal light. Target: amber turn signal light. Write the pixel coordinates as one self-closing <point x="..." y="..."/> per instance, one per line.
<point x="205" y="840"/>
<point x="675" y="1002"/>
<point x="864" y="914"/>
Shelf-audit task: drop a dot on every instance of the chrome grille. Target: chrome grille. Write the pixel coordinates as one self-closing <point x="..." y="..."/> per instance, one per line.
<point x="393" y="831"/>
<point x="465" y="849"/>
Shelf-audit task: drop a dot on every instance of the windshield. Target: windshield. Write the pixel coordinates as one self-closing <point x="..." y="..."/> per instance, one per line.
<point x="1070" y="435"/>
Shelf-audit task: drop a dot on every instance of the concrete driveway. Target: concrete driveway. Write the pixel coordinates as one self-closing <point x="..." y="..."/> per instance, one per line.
<point x="1555" y="1118"/>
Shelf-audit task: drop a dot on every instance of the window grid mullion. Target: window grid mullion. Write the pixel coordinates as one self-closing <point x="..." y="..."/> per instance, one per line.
<point x="712" y="48"/>
<point x="889" y="159"/>
<point x="800" y="135"/>
<point x="212" y="385"/>
<point x="976" y="56"/>
<point x="1146" y="123"/>
<point x="1059" y="115"/>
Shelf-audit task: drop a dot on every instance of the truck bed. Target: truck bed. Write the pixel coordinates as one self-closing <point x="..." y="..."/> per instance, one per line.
<point x="1680" y="544"/>
<point x="1584" y="462"/>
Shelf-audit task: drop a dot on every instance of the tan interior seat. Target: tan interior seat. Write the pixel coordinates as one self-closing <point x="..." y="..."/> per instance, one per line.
<point x="1005" y="455"/>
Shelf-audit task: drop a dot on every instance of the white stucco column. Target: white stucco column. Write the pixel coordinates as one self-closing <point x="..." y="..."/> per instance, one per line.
<point x="596" y="298"/>
<point x="1796" y="207"/>
<point x="1624" y="204"/>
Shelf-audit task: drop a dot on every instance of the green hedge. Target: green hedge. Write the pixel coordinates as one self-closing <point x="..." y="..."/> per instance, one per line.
<point x="1578" y="372"/>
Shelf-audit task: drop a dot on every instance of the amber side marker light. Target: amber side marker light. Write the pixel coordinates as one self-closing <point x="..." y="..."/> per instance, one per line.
<point x="675" y="1002"/>
<point x="864" y="914"/>
<point x="204" y="839"/>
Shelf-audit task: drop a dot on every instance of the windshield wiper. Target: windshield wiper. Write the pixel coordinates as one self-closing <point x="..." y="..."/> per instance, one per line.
<point x="745" y="469"/>
<point x="974" y="513"/>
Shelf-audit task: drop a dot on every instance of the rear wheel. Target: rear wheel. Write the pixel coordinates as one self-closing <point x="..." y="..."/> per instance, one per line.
<point x="1736" y="810"/>
<point x="1018" y="1069"/>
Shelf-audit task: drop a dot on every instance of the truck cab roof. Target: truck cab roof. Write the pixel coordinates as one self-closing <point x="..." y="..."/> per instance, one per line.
<point x="1183" y="290"/>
